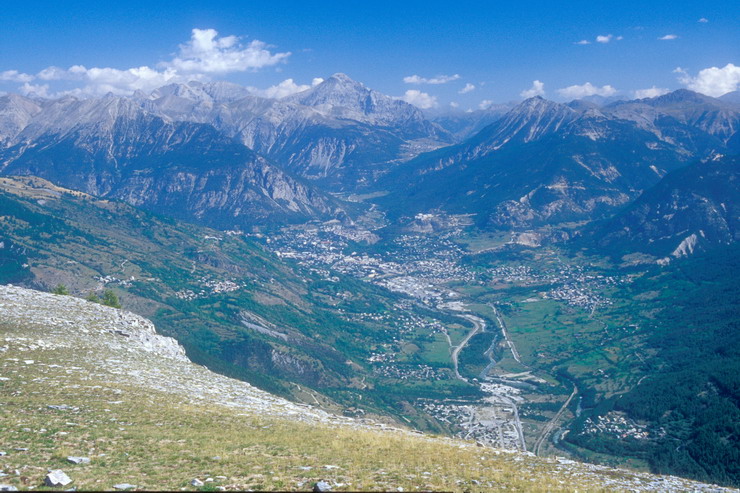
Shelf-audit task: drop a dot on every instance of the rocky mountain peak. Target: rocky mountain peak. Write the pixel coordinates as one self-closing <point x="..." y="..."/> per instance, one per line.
<point x="528" y="121"/>
<point x="16" y="112"/>
<point x="539" y="104"/>
<point x="341" y="97"/>
<point x="681" y="96"/>
<point x="337" y="91"/>
<point x="341" y="78"/>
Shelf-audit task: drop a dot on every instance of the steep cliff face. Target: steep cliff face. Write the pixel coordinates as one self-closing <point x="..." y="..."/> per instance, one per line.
<point x="184" y="169"/>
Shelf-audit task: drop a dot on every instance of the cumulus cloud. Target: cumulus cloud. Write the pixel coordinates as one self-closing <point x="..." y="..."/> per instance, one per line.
<point x="38" y="90"/>
<point x="99" y="81"/>
<point x="712" y="81"/>
<point x="485" y="104"/>
<point x="537" y="89"/>
<point x="285" y="88"/>
<point x="605" y="38"/>
<point x="440" y="79"/>
<point x="651" y="92"/>
<point x="668" y="37"/>
<point x="703" y="20"/>
<point x="420" y="99"/>
<point x="15" y="76"/>
<point x="207" y="53"/>
<point x="454" y="104"/>
<point x="468" y="88"/>
<point x="583" y="42"/>
<point x="203" y="56"/>
<point x="587" y="89"/>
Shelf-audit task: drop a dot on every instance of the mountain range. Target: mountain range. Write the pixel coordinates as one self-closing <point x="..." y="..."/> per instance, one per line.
<point x="545" y="162"/>
<point x="262" y="161"/>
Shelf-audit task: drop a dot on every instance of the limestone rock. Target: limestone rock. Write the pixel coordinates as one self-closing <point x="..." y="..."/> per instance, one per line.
<point x="57" y="477"/>
<point x="321" y="486"/>
<point x="78" y="460"/>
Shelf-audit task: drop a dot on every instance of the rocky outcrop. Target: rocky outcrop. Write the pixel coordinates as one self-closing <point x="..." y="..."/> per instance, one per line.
<point x="83" y="319"/>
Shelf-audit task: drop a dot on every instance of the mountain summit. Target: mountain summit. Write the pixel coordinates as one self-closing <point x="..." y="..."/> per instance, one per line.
<point x="339" y="96"/>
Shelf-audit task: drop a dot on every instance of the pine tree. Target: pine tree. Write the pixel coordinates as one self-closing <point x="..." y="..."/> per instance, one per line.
<point x="60" y="289"/>
<point x="110" y="299"/>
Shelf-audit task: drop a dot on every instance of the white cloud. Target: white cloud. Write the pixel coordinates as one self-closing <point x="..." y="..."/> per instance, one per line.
<point x="703" y="20"/>
<point x="454" y="104"/>
<point x="668" y="37"/>
<point x="604" y="38"/>
<point x="440" y="79"/>
<point x="537" y="89"/>
<point x="15" y="76"/>
<point x="468" y="88"/>
<point x="712" y="81"/>
<point x="285" y="88"/>
<point x="98" y="81"/>
<point x="40" y="90"/>
<point x="206" y="53"/>
<point x="583" y="42"/>
<point x="420" y="99"/>
<point x="651" y="92"/>
<point x="485" y="104"/>
<point x="56" y="73"/>
<point x="587" y="89"/>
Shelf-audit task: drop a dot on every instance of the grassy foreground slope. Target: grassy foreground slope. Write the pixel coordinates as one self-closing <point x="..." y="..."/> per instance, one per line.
<point x="79" y="379"/>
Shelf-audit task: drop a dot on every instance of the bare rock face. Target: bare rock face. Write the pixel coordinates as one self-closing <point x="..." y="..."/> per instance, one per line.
<point x="142" y="331"/>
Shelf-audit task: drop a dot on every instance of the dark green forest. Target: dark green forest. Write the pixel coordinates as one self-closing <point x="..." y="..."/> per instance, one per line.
<point x="691" y="394"/>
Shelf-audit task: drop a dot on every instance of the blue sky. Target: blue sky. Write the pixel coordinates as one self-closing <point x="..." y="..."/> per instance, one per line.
<point x="495" y="49"/>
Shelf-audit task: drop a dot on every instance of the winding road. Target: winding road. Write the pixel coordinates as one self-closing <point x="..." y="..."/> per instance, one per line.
<point x="478" y="326"/>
